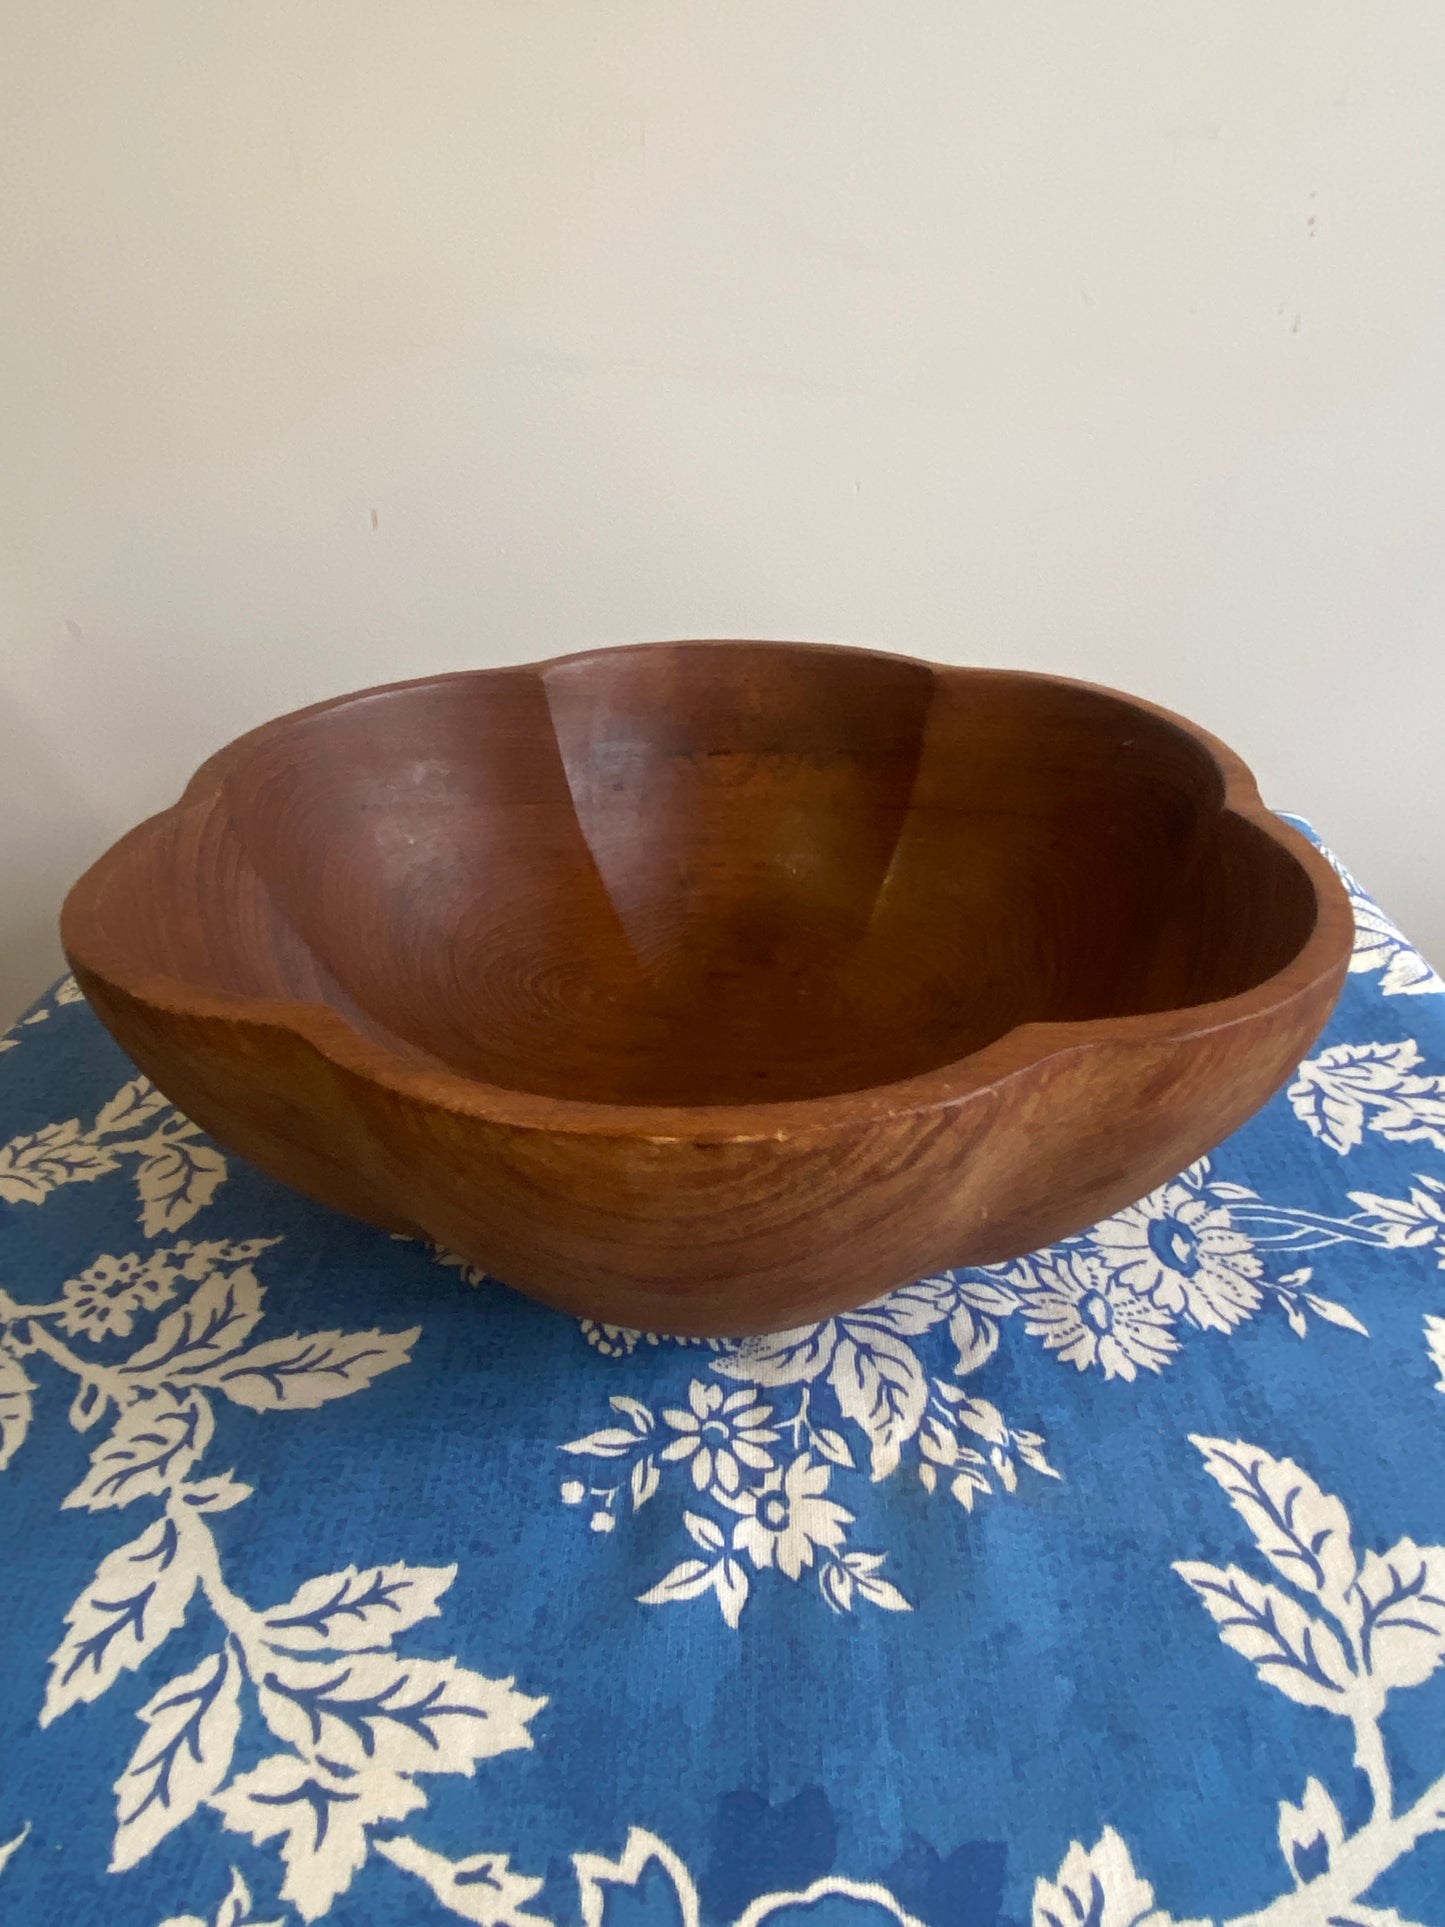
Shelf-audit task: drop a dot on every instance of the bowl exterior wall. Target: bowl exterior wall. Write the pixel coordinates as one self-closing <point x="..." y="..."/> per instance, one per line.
<point x="718" y="1235"/>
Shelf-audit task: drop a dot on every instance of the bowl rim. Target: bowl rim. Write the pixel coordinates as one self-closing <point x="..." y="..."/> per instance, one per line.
<point x="1323" y="955"/>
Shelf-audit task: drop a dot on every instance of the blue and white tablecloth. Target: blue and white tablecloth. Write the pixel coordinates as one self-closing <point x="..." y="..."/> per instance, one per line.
<point x="1099" y="1589"/>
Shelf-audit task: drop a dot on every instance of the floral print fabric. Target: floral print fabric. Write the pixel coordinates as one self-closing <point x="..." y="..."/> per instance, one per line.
<point x="1104" y="1588"/>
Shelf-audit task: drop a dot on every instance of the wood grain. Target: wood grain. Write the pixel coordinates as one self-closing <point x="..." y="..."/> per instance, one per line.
<point x="712" y="987"/>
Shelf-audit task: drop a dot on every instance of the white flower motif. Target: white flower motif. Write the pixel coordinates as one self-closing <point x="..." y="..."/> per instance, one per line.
<point x="1099" y="1888"/>
<point x="103" y="1300"/>
<point x="1180" y="1249"/>
<point x="785" y="1518"/>
<point x="1084" y="1313"/>
<point x="721" y="1435"/>
<point x="646" y="1860"/>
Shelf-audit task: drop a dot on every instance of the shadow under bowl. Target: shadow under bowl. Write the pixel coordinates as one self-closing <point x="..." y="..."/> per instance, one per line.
<point x="713" y="987"/>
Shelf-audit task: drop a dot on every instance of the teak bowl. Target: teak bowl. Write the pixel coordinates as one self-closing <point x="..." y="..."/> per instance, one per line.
<point x="713" y="987"/>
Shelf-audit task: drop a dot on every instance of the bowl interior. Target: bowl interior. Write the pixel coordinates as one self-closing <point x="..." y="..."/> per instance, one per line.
<point x="703" y="874"/>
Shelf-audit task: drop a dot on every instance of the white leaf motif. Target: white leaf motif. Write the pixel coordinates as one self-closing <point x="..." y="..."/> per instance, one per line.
<point x="833" y="1446"/>
<point x="865" y="1562"/>
<point x="1030" y="1448"/>
<point x="483" y="1888"/>
<point x="1311" y="1834"/>
<point x="1402" y="1629"/>
<point x="138" y="1595"/>
<point x="301" y="1372"/>
<point x="783" y="1358"/>
<point x="1404" y="1222"/>
<point x="9" y="1848"/>
<point x="357" y="1608"/>
<point x="235" y="1909"/>
<point x="1381" y="945"/>
<point x="837" y="1586"/>
<point x="1099" y="1888"/>
<point x="937" y="1443"/>
<point x="968" y="1486"/>
<point x="371" y="1709"/>
<point x="1435" y="1345"/>
<point x="218" y="1318"/>
<point x="89" y="1406"/>
<point x="703" y="1532"/>
<point x="15" y="1406"/>
<point x="1416" y="1115"/>
<point x="133" y="1105"/>
<point x="1300" y="1655"/>
<point x="1303" y="1532"/>
<point x="186" y="1753"/>
<point x="180" y="1176"/>
<point x="1372" y="1070"/>
<point x="730" y="1583"/>
<point x="907" y="1312"/>
<point x="976" y="1336"/>
<point x="882" y="1388"/>
<point x="214" y="1495"/>
<point x="1337" y="1118"/>
<point x="879" y="1592"/>
<point x="690" y="1580"/>
<point x="643" y="1483"/>
<point x="1334" y="1314"/>
<point x="610" y="1443"/>
<point x="155" y="1443"/>
<point x="992" y="1292"/>
<point x="1408" y="974"/>
<point x="1333" y="1092"/>
<point x="323" y="1814"/>
<point x="32" y="1166"/>
<point x="984" y="1420"/>
<point x="633" y="1409"/>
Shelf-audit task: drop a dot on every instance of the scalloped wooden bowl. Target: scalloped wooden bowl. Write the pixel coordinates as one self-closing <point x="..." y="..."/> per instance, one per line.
<point x="715" y="987"/>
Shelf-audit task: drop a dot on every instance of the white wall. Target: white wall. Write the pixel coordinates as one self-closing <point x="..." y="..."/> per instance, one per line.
<point x="346" y="341"/>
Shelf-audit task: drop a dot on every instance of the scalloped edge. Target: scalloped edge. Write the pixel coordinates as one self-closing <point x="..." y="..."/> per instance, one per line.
<point x="1325" y="953"/>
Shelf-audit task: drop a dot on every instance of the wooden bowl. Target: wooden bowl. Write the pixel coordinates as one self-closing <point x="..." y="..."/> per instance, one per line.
<point x="713" y="987"/>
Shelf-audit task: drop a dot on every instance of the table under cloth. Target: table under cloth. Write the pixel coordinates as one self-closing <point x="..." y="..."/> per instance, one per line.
<point x="1107" y="1586"/>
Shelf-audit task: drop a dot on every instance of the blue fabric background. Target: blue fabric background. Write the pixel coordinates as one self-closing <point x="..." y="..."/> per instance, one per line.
<point x="1036" y="1715"/>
